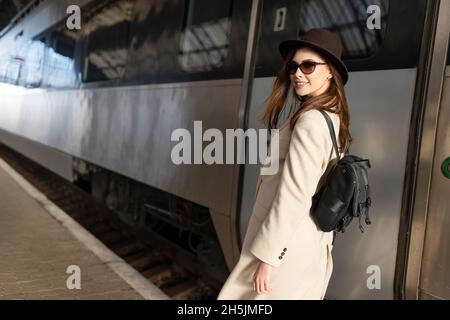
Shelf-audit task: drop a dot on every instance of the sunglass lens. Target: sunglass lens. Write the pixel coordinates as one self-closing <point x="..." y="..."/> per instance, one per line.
<point x="292" y="67"/>
<point x="307" y="67"/>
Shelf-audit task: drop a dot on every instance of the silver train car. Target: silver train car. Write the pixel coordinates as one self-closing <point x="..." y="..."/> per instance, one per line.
<point x="98" y="104"/>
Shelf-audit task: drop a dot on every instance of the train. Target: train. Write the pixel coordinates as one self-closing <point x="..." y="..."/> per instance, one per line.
<point x="93" y="89"/>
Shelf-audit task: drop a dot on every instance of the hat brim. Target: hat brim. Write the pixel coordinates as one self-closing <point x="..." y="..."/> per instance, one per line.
<point x="286" y="46"/>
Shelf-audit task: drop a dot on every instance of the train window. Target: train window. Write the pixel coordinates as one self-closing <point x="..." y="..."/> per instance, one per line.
<point x="11" y="64"/>
<point x="350" y="19"/>
<point x="162" y="52"/>
<point x="59" y="68"/>
<point x="376" y="35"/>
<point x="205" y="38"/>
<point x="22" y="63"/>
<point x="5" y="62"/>
<point x="107" y="33"/>
<point x="154" y="44"/>
<point x="31" y="61"/>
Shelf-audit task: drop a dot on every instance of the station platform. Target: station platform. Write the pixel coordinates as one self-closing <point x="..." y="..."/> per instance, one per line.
<point x="45" y="254"/>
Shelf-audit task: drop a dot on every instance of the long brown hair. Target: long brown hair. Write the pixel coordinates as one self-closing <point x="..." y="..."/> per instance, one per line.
<point x="333" y="100"/>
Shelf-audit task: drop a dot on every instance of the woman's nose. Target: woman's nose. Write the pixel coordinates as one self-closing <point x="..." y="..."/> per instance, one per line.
<point x="299" y="73"/>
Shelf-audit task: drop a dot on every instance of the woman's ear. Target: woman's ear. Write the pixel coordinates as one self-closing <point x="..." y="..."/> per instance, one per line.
<point x="330" y="74"/>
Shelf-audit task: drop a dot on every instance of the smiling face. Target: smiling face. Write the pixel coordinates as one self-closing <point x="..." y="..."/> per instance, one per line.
<point x="312" y="84"/>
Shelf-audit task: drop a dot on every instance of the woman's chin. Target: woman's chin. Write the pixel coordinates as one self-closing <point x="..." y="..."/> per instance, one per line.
<point x="302" y="93"/>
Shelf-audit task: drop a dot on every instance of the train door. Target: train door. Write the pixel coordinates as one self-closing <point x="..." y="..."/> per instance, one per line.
<point x="429" y="260"/>
<point x="435" y="279"/>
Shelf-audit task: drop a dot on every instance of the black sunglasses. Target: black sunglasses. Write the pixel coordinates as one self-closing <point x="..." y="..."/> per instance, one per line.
<point x="307" y="66"/>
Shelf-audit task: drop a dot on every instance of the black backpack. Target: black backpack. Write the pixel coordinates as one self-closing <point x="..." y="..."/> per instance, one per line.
<point x="345" y="193"/>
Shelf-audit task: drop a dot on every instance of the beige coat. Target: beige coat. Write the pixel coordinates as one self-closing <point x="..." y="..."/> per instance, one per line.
<point x="281" y="231"/>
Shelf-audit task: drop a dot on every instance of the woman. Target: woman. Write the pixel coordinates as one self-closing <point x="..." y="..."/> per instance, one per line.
<point x="284" y="254"/>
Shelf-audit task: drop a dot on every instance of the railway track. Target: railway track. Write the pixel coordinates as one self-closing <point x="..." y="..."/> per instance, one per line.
<point x="175" y="272"/>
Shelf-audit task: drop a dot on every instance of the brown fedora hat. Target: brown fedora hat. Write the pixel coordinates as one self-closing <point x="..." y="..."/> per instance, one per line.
<point x="324" y="42"/>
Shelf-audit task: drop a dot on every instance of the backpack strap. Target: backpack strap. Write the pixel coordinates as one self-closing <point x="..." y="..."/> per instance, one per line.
<point x="331" y="129"/>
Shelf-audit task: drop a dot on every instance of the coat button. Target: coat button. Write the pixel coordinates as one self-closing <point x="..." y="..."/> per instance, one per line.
<point x="280" y="257"/>
<point x="285" y="249"/>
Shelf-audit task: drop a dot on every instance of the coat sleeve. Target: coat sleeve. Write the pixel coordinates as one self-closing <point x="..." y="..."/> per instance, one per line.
<point x="302" y="169"/>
